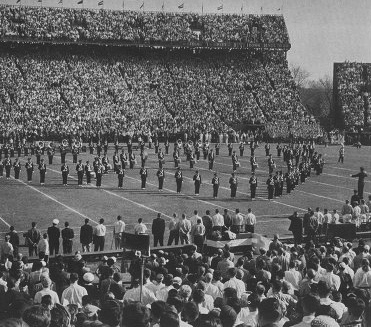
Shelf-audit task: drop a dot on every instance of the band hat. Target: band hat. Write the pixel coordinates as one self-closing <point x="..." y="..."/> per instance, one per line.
<point x="55" y="221"/>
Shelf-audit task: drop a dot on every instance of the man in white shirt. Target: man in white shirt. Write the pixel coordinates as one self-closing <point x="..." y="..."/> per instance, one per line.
<point x="140" y="227"/>
<point x="118" y="229"/>
<point x="235" y="283"/>
<point x="335" y="217"/>
<point x="320" y="219"/>
<point x="330" y="278"/>
<point x="237" y="222"/>
<point x="211" y="289"/>
<point x="293" y="276"/>
<point x="184" y="229"/>
<point x="99" y="234"/>
<point x="74" y="293"/>
<point x="218" y="220"/>
<point x="250" y="221"/>
<point x="162" y="293"/>
<point x="133" y="294"/>
<point x="46" y="283"/>
<point x="194" y="218"/>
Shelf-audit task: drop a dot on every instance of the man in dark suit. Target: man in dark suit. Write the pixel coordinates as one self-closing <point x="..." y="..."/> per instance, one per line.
<point x="158" y="230"/>
<point x="296" y="227"/>
<point x="67" y="238"/>
<point x="33" y="236"/>
<point x="86" y="236"/>
<point x="54" y="234"/>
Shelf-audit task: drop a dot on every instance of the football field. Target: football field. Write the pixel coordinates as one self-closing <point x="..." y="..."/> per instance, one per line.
<point x="21" y="202"/>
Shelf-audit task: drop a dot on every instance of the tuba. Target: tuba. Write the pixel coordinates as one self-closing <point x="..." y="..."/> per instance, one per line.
<point x="65" y="143"/>
<point x="77" y="144"/>
<point x="40" y="144"/>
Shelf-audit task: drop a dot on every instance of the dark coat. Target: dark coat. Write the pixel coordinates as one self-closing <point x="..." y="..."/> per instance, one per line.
<point x="158" y="226"/>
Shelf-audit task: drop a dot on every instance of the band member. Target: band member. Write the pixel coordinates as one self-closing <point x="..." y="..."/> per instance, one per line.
<point x="279" y="149"/>
<point x="42" y="170"/>
<point x="167" y="144"/>
<point x="8" y="166"/>
<point x="1" y="169"/>
<point x="19" y="150"/>
<point x="17" y="168"/>
<point x="271" y="164"/>
<point x="276" y="180"/>
<point x="116" y="161"/>
<point x="217" y="148"/>
<point x="252" y="148"/>
<point x="75" y="152"/>
<point x="216" y="182"/>
<point x="267" y="148"/>
<point x="341" y="154"/>
<point x="197" y="150"/>
<point x="161" y="158"/>
<point x="176" y="158"/>
<point x="233" y="183"/>
<point x="253" y="185"/>
<point x="192" y="160"/>
<point x="80" y="172"/>
<point x="117" y="145"/>
<point x="230" y="148"/>
<point x="123" y="158"/>
<point x="38" y="155"/>
<point x="253" y="163"/>
<point x="129" y="144"/>
<point x="235" y="162"/>
<point x="91" y="146"/>
<point x="65" y="172"/>
<point x="211" y="158"/>
<point x="120" y="175"/>
<point x="280" y="180"/>
<point x="29" y="169"/>
<point x="63" y="152"/>
<point x="157" y="144"/>
<point x="88" y="171"/>
<point x="50" y="153"/>
<point x="105" y="147"/>
<point x="270" y="185"/>
<point x="132" y="159"/>
<point x="242" y="149"/>
<point x="141" y="145"/>
<point x="106" y="164"/>
<point x="143" y="158"/>
<point x="198" y="181"/>
<point x="99" y="148"/>
<point x="179" y="180"/>
<point x="205" y="150"/>
<point x="99" y="173"/>
<point x="143" y="176"/>
<point x="25" y="152"/>
<point x="161" y="177"/>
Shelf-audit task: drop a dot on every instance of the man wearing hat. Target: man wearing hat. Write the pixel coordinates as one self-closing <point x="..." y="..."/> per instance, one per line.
<point x="179" y="180"/>
<point x="80" y="172"/>
<point x="17" y="168"/>
<point x="197" y="181"/>
<point x="216" y="182"/>
<point x="8" y="165"/>
<point x="253" y="181"/>
<point x="42" y="170"/>
<point x="118" y="229"/>
<point x="65" y="171"/>
<point x="54" y="234"/>
<point x="29" y="169"/>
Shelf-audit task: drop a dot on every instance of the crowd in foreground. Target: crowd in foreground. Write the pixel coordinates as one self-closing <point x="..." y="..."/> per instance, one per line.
<point x="302" y="285"/>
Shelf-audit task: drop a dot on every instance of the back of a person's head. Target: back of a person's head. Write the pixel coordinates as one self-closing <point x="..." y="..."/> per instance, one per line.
<point x="158" y="308"/>
<point x="310" y="304"/>
<point x="37" y="316"/>
<point x="235" y="303"/>
<point x="18" y="307"/>
<point x="230" y="292"/>
<point x="169" y="318"/>
<point x="356" y="307"/>
<point x="253" y="301"/>
<point x="270" y="311"/>
<point x="207" y="321"/>
<point x="60" y="317"/>
<point x="176" y="302"/>
<point x="13" y="322"/>
<point x="74" y="277"/>
<point x="110" y="312"/>
<point x="135" y="315"/>
<point x="228" y="316"/>
<point x="190" y="311"/>
<point x="198" y="296"/>
<point x="323" y="288"/>
<point x="311" y="273"/>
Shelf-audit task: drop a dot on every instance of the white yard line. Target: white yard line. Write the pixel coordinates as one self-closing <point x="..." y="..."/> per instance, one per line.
<point x="3" y="220"/>
<point x="322" y="196"/>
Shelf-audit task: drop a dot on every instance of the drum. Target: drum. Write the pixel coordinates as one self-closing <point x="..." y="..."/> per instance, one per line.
<point x="237" y="164"/>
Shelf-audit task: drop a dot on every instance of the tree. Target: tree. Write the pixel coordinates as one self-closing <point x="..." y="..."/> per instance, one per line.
<point x="300" y="75"/>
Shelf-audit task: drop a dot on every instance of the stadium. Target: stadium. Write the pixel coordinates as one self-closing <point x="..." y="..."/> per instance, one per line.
<point x="113" y="117"/>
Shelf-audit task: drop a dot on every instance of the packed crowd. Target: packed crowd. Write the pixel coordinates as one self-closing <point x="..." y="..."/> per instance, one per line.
<point x="87" y="25"/>
<point x="350" y="80"/>
<point x="282" y="285"/>
<point x="66" y="93"/>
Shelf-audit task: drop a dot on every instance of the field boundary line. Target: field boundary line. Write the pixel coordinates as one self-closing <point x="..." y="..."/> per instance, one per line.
<point x="4" y="221"/>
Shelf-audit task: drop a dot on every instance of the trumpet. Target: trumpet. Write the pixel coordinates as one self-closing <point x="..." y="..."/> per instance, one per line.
<point x="40" y="144"/>
<point x="65" y="143"/>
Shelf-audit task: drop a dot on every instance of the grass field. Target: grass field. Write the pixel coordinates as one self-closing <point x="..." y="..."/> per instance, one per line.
<point x="21" y="203"/>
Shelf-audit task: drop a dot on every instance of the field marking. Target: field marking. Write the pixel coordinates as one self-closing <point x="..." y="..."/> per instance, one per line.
<point x="336" y="186"/>
<point x="55" y="200"/>
<point x="4" y="221"/>
<point x="346" y="177"/>
<point x="333" y="167"/>
<point x="322" y="196"/>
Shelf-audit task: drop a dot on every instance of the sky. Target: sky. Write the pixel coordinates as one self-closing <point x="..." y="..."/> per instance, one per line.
<point x="321" y="31"/>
